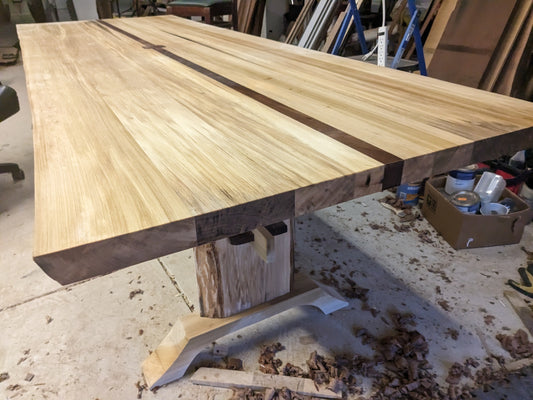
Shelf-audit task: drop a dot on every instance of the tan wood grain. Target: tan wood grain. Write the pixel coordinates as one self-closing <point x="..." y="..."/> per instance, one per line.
<point x="233" y="278"/>
<point x="223" y="132"/>
<point x="264" y="244"/>
<point x="437" y="29"/>
<point x="259" y="381"/>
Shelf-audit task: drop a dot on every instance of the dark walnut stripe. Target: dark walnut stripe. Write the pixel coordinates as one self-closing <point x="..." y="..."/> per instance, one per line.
<point x="396" y="163"/>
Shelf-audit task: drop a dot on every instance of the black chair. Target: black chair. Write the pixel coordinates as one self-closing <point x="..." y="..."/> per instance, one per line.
<point x="9" y="105"/>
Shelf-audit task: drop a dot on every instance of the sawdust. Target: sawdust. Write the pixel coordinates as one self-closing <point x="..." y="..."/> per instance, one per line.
<point x="402" y="227"/>
<point x="140" y="389"/>
<point x="134" y="293"/>
<point x="234" y="364"/>
<point x="442" y="274"/>
<point x="269" y="394"/>
<point x="517" y="345"/>
<point x="379" y="227"/>
<point x="396" y="203"/>
<point x="407" y="372"/>
<point x="366" y="337"/>
<point x="452" y="333"/>
<point x="399" y="367"/>
<point x="444" y="304"/>
<point x="268" y="364"/>
<point x="349" y="288"/>
<point x="425" y="236"/>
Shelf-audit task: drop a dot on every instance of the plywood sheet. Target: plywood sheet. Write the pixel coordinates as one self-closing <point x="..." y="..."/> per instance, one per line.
<point x="154" y="135"/>
<point x="469" y="40"/>
<point x="515" y="26"/>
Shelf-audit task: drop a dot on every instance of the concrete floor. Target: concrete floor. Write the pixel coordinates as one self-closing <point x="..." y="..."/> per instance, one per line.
<point x="87" y="340"/>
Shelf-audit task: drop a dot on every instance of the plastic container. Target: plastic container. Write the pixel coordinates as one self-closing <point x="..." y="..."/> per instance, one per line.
<point x="527" y="190"/>
<point x="490" y="187"/>
<point x="460" y="179"/>
<point x="509" y="203"/>
<point x="494" y="209"/>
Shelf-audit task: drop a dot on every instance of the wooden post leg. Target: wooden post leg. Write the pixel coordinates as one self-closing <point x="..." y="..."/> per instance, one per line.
<point x="191" y="333"/>
<point x="237" y="273"/>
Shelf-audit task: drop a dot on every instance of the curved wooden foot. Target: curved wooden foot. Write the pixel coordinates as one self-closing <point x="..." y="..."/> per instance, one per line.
<point x="191" y="333"/>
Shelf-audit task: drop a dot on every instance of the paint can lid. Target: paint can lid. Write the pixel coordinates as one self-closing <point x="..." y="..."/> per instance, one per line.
<point x="463" y="174"/>
<point x="465" y="198"/>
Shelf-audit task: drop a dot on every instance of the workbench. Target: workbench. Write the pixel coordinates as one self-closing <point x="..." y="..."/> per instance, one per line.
<point x="154" y="135"/>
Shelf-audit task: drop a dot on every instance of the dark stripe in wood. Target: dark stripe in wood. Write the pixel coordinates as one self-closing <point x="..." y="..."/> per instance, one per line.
<point x="393" y="175"/>
<point x="464" y="49"/>
<point x="242" y="238"/>
<point x="244" y="217"/>
<point x="279" y="228"/>
<point x="355" y="143"/>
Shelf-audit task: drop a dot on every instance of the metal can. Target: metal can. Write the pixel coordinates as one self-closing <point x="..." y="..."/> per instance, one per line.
<point x="408" y="193"/>
<point x="460" y="179"/>
<point x="466" y="201"/>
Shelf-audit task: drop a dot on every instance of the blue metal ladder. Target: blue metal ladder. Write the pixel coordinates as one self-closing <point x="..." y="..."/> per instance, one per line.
<point x="412" y="30"/>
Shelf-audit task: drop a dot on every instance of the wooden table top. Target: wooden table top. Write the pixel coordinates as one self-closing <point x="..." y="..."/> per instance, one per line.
<point x="154" y="135"/>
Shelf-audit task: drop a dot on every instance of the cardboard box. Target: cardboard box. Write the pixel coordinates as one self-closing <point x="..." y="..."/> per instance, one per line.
<point x="463" y="231"/>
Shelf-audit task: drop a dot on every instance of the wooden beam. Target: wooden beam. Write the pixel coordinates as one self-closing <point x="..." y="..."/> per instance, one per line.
<point x="224" y="378"/>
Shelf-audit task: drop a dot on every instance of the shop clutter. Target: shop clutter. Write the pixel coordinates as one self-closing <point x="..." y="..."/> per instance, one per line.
<point x="482" y="205"/>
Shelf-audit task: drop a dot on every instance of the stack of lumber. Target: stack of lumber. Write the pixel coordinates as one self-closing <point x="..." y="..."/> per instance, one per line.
<point x="317" y="28"/>
<point x="250" y="14"/>
<point x="482" y="44"/>
<point x="333" y="32"/>
<point x="315" y="32"/>
<point x="299" y="25"/>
